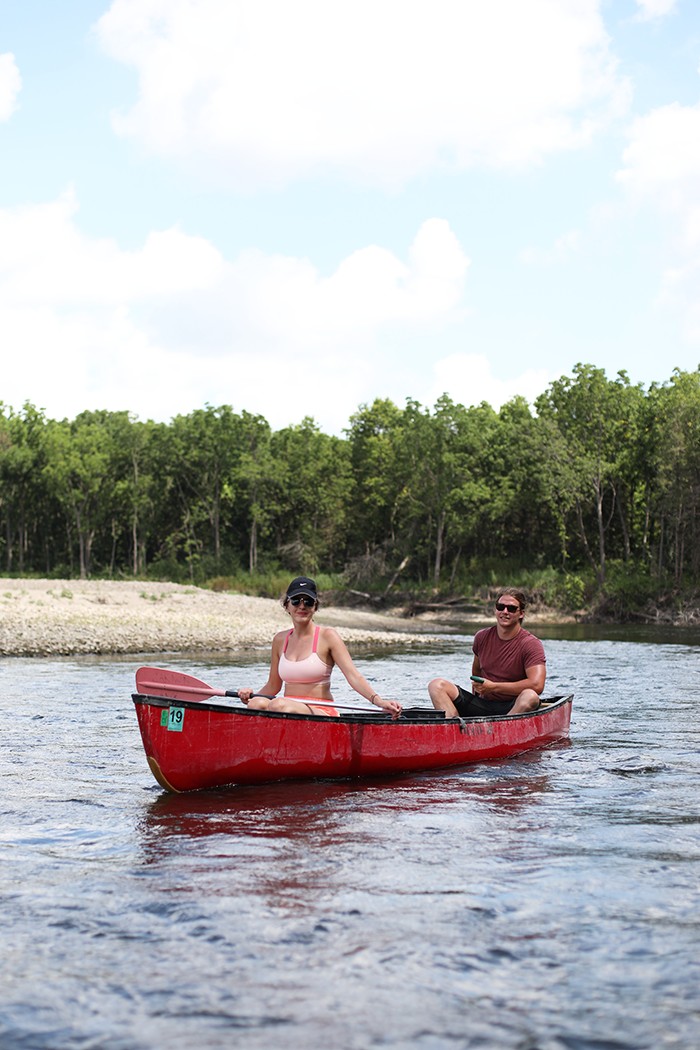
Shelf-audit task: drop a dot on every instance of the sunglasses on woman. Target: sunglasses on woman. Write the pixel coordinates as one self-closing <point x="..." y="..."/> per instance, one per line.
<point x="501" y="606"/>
<point x="308" y="603"/>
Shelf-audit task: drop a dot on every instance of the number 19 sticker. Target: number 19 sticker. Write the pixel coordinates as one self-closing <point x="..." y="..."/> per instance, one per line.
<point x="173" y="718"/>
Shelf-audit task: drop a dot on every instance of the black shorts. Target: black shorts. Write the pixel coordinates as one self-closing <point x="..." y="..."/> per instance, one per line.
<point x="469" y="705"/>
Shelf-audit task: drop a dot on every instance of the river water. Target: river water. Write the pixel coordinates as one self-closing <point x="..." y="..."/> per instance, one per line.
<point x="544" y="902"/>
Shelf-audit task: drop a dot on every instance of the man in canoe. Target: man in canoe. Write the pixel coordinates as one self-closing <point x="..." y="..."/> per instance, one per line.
<point x="302" y="660"/>
<point x="508" y="669"/>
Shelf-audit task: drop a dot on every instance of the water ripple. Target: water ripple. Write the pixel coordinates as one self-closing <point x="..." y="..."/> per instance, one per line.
<point x="545" y="902"/>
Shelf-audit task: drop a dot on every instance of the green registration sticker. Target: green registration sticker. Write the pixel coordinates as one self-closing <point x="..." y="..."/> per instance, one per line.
<point x="164" y="716"/>
<point x="176" y="718"/>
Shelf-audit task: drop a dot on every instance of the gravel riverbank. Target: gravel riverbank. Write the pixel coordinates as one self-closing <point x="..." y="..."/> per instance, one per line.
<point x="66" y="617"/>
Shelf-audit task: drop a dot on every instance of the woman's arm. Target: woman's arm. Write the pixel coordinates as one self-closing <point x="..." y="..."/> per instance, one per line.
<point x="274" y="682"/>
<point x="341" y="657"/>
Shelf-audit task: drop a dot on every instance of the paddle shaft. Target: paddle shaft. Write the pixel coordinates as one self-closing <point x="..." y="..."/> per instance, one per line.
<point x="165" y="683"/>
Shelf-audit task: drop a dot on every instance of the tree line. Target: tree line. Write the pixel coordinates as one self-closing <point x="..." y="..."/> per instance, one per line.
<point x="600" y="477"/>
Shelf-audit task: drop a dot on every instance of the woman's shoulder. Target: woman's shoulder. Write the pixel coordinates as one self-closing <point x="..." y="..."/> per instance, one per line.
<point x="330" y="641"/>
<point x="328" y="634"/>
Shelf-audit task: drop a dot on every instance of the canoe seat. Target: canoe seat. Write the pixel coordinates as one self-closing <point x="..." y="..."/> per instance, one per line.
<point x="423" y="713"/>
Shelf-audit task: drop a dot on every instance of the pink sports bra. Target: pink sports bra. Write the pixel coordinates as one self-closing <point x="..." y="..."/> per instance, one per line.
<point x="309" y="671"/>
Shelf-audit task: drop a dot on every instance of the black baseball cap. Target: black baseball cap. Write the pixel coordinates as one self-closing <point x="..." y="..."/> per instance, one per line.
<point x="302" y="585"/>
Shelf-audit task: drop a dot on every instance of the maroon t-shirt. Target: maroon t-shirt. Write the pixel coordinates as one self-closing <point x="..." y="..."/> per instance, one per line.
<point x="505" y="661"/>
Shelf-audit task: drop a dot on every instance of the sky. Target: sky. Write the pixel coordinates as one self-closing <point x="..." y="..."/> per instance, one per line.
<point x="296" y="208"/>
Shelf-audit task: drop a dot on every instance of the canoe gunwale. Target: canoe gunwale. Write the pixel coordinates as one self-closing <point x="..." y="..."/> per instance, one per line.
<point x="370" y="718"/>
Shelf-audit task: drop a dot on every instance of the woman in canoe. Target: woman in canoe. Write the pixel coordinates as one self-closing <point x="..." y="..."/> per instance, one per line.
<point x="303" y="659"/>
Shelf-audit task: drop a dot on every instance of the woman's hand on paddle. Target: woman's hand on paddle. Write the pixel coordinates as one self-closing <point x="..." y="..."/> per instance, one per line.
<point x="245" y="694"/>
<point x="393" y="707"/>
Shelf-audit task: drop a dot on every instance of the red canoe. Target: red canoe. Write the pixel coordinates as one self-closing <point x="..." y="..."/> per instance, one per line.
<point x="193" y="744"/>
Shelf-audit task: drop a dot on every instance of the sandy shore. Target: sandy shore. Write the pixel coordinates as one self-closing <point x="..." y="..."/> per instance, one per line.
<point x="65" y="617"/>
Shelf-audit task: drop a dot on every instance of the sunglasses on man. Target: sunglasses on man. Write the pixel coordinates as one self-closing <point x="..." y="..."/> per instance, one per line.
<point x="502" y="607"/>
<point x="303" y="599"/>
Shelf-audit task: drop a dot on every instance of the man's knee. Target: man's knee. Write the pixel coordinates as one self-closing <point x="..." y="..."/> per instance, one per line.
<point x="527" y="701"/>
<point x="442" y="694"/>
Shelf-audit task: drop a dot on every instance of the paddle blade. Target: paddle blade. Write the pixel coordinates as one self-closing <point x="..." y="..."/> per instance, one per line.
<point x="175" y="685"/>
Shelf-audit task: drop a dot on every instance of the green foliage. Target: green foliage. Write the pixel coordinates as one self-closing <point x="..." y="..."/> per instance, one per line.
<point x="628" y="592"/>
<point x="266" y="585"/>
<point x="594" y="425"/>
<point x="573" y="592"/>
<point x="593" y="497"/>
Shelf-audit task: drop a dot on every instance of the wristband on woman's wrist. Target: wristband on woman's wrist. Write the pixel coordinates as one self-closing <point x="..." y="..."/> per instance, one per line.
<point x="373" y="697"/>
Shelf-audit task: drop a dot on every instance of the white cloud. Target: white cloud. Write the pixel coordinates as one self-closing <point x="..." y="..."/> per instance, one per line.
<point x="45" y="260"/>
<point x="173" y="325"/>
<point x="662" y="168"/>
<point x="649" y="9"/>
<point x="469" y="380"/>
<point x="662" y="159"/>
<point x="10" y="85"/>
<point x="564" y="247"/>
<point x="265" y="91"/>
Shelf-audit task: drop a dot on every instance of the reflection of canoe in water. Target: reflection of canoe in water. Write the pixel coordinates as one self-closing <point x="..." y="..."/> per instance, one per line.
<point x="194" y="744"/>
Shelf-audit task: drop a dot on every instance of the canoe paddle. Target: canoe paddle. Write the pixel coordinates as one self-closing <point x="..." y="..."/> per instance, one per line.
<point x="175" y="685"/>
